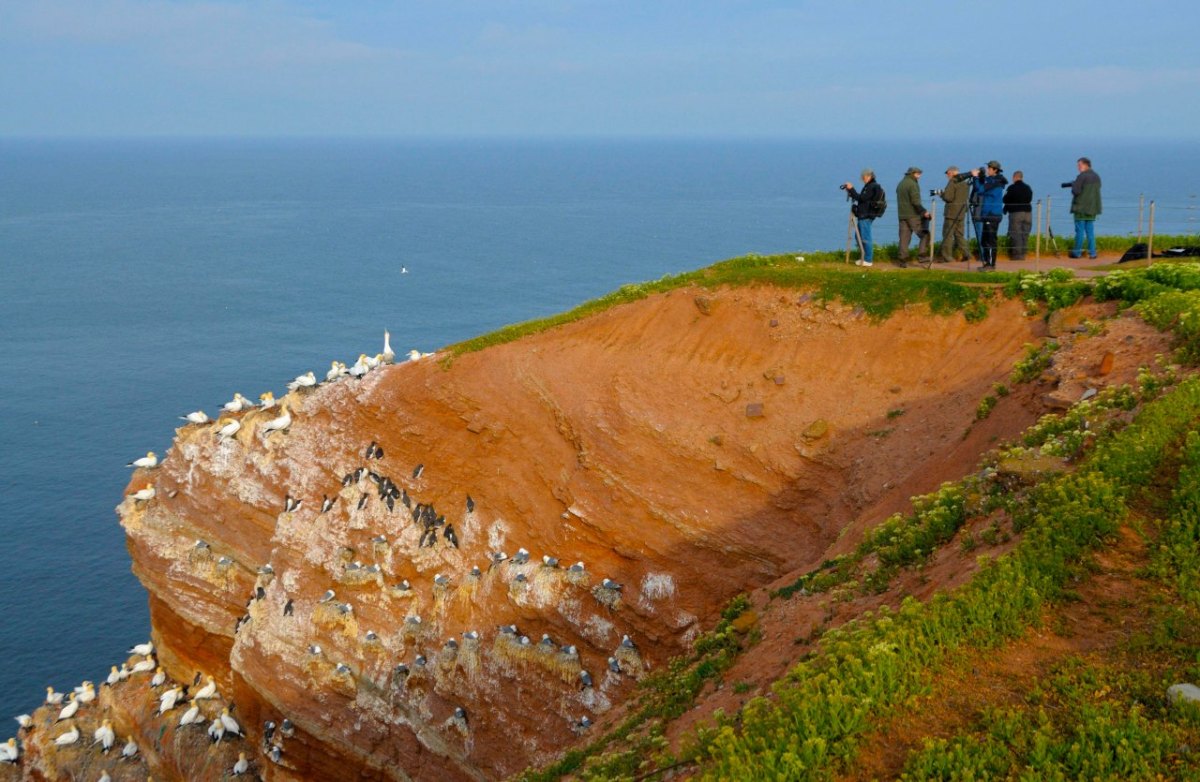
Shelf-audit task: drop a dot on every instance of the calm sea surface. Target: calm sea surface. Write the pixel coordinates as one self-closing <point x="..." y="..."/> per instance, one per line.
<point x="140" y="280"/>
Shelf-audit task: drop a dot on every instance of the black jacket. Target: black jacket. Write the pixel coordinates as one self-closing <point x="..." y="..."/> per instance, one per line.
<point x="865" y="202"/>
<point x="1018" y="198"/>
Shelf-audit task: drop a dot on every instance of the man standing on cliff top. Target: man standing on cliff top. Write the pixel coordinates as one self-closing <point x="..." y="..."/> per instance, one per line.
<point x="912" y="214"/>
<point x="1085" y="205"/>
<point x="1018" y="205"/>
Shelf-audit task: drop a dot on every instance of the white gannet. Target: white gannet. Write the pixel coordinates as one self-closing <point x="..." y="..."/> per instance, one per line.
<point x="242" y="765"/>
<point x="114" y="676"/>
<point x="373" y="362"/>
<point x="388" y="354"/>
<point x="104" y="735"/>
<point x="130" y="749"/>
<point x="87" y="693"/>
<point x="149" y="461"/>
<point x="144" y="650"/>
<point x="144" y="495"/>
<point x="416" y="355"/>
<point x="65" y="739"/>
<point x="237" y="404"/>
<point x="104" y="777"/>
<point x="145" y="665"/>
<point x="267" y="399"/>
<point x="24" y="720"/>
<point x="361" y="367"/>
<point x="229" y="722"/>
<point x="160" y="677"/>
<point x="207" y="692"/>
<point x="196" y="417"/>
<point x="229" y="429"/>
<point x="9" y="751"/>
<point x="336" y="370"/>
<point x="216" y="731"/>
<point x="192" y="716"/>
<point x="68" y="711"/>
<point x="307" y="380"/>
<point x="278" y="424"/>
<point x="53" y="698"/>
<point x="168" y="699"/>
<point x="123" y="672"/>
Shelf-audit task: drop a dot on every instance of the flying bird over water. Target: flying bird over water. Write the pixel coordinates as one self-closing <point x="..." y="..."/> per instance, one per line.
<point x="147" y="462"/>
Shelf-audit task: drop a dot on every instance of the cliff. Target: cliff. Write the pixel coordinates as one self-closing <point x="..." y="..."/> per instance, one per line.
<point x="685" y="447"/>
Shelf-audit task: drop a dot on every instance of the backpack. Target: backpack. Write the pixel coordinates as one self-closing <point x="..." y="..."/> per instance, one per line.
<point x="879" y="206"/>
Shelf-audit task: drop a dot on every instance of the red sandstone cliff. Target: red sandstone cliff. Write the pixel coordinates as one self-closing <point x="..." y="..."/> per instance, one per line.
<point x="687" y="453"/>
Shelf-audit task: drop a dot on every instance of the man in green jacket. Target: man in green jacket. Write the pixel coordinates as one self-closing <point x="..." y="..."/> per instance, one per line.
<point x="1085" y="205"/>
<point x="957" y="195"/>
<point x="912" y="214"/>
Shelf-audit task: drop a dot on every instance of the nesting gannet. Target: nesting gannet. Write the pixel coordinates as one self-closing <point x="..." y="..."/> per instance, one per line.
<point x="207" y="692"/>
<point x="237" y="404"/>
<point x="307" y="380"/>
<point x="192" y="716"/>
<point x="9" y="752"/>
<point x="104" y="777"/>
<point x="266" y="400"/>
<point x="196" y="417"/>
<point x="242" y="765"/>
<point x="416" y="355"/>
<point x="360" y="367"/>
<point x="143" y="649"/>
<point x="130" y="749"/>
<point x="216" y="731"/>
<point x="68" y="738"/>
<point x="229" y="429"/>
<point x="168" y="699"/>
<point x="123" y="672"/>
<point x="336" y="370"/>
<point x="230" y="723"/>
<point x="145" y="665"/>
<point x="114" y="676"/>
<point x="144" y="495"/>
<point x="68" y="711"/>
<point x="53" y="698"/>
<point x="160" y="677"/>
<point x="373" y="362"/>
<point x="278" y="424"/>
<point x="147" y="462"/>
<point x="24" y="720"/>
<point x="86" y="693"/>
<point x="388" y="354"/>
<point x="104" y="735"/>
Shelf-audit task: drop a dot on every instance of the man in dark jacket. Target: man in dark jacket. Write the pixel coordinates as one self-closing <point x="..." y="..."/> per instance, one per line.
<point x="956" y="194"/>
<point x="912" y="214"/>
<point x="1085" y="205"/>
<point x="989" y="186"/>
<point x="866" y="207"/>
<point x="1018" y="205"/>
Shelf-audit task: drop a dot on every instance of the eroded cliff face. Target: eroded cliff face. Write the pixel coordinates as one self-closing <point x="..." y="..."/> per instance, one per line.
<point x="685" y="451"/>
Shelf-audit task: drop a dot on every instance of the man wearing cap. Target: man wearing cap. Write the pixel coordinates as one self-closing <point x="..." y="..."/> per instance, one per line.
<point x="989" y="186"/>
<point x="956" y="194"/>
<point x="912" y="213"/>
<point x="1018" y="205"/>
<point x="867" y="205"/>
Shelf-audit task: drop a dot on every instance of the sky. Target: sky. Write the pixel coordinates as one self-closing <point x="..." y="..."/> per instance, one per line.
<point x="564" y="68"/>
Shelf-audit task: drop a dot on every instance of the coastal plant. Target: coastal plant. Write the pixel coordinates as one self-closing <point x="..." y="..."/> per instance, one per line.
<point x="1037" y="359"/>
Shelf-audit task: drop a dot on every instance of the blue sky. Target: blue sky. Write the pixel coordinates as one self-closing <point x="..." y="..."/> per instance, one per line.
<point x="598" y="67"/>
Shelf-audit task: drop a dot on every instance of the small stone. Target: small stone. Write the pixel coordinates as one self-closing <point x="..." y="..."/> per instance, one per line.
<point x="754" y="410"/>
<point x="1088" y="394"/>
<point x="1106" y="363"/>
<point x="774" y="323"/>
<point x="1188" y="693"/>
<point x="704" y="304"/>
<point x="894" y="390"/>
<point x="816" y="430"/>
<point x="1057" y="401"/>
<point x="779" y="380"/>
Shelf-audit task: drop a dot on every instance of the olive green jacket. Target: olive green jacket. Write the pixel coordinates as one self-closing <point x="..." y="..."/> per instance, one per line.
<point x="957" y="195"/>
<point x="908" y="198"/>
<point x="1085" y="195"/>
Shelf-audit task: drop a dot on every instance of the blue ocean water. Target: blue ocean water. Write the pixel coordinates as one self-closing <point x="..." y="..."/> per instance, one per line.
<point x="140" y="280"/>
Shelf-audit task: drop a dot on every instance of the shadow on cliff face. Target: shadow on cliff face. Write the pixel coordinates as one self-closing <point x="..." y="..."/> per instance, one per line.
<point x="687" y="452"/>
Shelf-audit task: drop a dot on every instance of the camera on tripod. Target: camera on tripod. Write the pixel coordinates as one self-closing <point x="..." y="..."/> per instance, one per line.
<point x="1067" y="184"/>
<point x="935" y="193"/>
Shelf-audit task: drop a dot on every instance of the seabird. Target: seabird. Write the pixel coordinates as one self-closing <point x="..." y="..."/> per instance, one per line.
<point x="68" y="711"/>
<point x="460" y="714"/>
<point x="325" y="598"/>
<point x="373" y="362"/>
<point x="54" y="698"/>
<point x="336" y="370"/>
<point x="470" y="504"/>
<point x="144" y="650"/>
<point x="168" y="699"/>
<point x="147" y="462"/>
<point x="608" y="583"/>
<point x="216" y="731"/>
<point x="160" y="677"/>
<point x="229" y="429"/>
<point x="130" y="749"/>
<point x="345" y="608"/>
<point x="343" y="669"/>
<point x="450" y="535"/>
<point x="237" y="404"/>
<point x="9" y="751"/>
<point x="276" y="753"/>
<point x="68" y="738"/>
<point x="584" y="723"/>
<point x="145" y="665"/>
<point x="576" y="568"/>
<point x="405" y="499"/>
<point x="114" y="676"/>
<point x="613" y="665"/>
<point x="414" y="620"/>
<point x="388" y="354"/>
<point x="521" y="578"/>
<point x="314" y="650"/>
<point x="287" y="728"/>
<point x="266" y="400"/>
<point x="192" y="716"/>
<point x="24" y="720"/>
<point x="547" y="640"/>
<point x="476" y="572"/>
<point x="508" y="629"/>
<point x="224" y="562"/>
<point x="371" y="636"/>
<point x="441" y="580"/>
<point x="327" y="502"/>
<point x="570" y="651"/>
<point x="416" y="355"/>
<point x="525" y="640"/>
<point x="268" y="731"/>
<point x="400" y="670"/>
<point x="416" y="473"/>
<point x="307" y="380"/>
<point x="549" y="561"/>
<point x="207" y="692"/>
<point x="144" y="495"/>
<point x="374" y="451"/>
<point x="86" y="692"/>
<point x="361" y="367"/>
<point x="585" y="679"/>
<point x="291" y="504"/>
<point x="230" y="723"/>
<point x="404" y="270"/>
<point x="419" y="661"/>
<point x="403" y="586"/>
<point x="278" y="424"/>
<point x="451" y="644"/>
<point x="197" y="417"/>
<point x="471" y="635"/>
<point x="522" y="556"/>
<point x="123" y="672"/>
<point x="242" y="765"/>
<point x="287" y="607"/>
<point x="627" y="643"/>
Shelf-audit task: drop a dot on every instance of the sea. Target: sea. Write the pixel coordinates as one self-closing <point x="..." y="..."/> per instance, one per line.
<point x="141" y="279"/>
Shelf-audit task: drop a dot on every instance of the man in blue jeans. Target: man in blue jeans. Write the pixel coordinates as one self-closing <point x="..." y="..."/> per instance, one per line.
<point x="1085" y="205"/>
<point x="869" y="203"/>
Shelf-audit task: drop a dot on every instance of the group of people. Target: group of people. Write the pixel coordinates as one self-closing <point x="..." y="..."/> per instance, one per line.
<point x="983" y="193"/>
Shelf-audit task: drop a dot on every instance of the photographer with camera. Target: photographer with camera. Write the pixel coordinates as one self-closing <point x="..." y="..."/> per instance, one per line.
<point x="989" y="186"/>
<point x="956" y="194"/>
<point x="1018" y="205"/>
<point x="913" y="215"/>
<point x="867" y="205"/>
<point x="1085" y="205"/>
